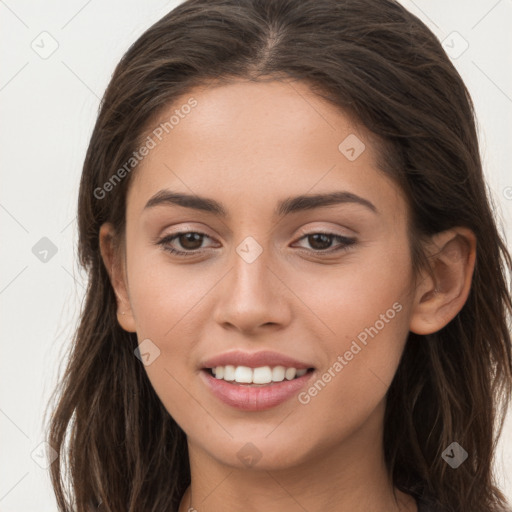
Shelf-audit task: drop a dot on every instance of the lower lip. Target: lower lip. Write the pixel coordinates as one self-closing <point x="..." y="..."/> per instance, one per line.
<point x="258" y="398"/>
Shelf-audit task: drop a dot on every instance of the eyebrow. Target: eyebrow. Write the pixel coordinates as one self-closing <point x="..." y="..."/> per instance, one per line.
<point x="284" y="207"/>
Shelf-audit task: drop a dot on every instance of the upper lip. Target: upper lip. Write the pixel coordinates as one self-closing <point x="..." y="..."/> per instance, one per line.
<point x="254" y="360"/>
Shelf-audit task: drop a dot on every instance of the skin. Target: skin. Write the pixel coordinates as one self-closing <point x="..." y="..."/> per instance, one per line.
<point x="249" y="145"/>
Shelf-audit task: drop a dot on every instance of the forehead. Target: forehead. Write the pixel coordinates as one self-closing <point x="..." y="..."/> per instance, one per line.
<point x="245" y="141"/>
<point x="272" y="114"/>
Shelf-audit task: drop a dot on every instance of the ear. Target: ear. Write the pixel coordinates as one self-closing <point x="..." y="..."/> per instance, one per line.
<point x="440" y="296"/>
<point x="114" y="263"/>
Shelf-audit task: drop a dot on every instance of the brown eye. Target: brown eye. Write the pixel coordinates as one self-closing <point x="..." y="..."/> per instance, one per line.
<point x="190" y="241"/>
<point x="322" y="242"/>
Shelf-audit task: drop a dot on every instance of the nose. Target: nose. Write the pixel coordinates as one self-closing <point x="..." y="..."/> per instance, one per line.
<point x="252" y="297"/>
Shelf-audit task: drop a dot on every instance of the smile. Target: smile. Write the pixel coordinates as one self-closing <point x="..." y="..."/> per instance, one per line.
<point x="256" y="376"/>
<point x="254" y="381"/>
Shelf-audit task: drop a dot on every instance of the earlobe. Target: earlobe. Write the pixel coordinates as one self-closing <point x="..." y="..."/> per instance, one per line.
<point x="115" y="269"/>
<point x="442" y="294"/>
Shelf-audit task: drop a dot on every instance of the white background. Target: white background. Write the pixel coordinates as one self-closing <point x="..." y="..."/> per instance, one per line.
<point x="48" y="107"/>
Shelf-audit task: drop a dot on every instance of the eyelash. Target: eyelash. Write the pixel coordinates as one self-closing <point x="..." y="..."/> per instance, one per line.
<point x="345" y="241"/>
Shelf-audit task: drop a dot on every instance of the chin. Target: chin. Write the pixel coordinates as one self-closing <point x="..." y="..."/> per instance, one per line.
<point x="259" y="452"/>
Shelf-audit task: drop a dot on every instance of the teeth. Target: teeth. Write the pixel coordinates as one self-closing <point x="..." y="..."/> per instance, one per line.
<point x="243" y="374"/>
<point x="260" y="375"/>
<point x="229" y="372"/>
<point x="278" y="373"/>
<point x="290" y="373"/>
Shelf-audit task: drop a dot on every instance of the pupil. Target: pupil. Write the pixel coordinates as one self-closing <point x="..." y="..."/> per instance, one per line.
<point x="190" y="238"/>
<point x="320" y="236"/>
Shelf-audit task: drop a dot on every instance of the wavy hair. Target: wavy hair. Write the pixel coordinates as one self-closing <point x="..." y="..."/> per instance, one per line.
<point x="381" y="65"/>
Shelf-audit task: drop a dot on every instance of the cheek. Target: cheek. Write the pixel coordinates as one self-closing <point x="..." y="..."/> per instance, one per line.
<point x="366" y="309"/>
<point x="353" y="296"/>
<point x="162" y="297"/>
<point x="163" y="293"/>
<point x="352" y="388"/>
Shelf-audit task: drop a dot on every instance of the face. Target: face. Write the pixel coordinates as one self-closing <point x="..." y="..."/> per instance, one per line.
<point x="264" y="282"/>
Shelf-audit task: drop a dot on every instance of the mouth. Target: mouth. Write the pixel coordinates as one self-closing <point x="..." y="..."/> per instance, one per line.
<point x="255" y="389"/>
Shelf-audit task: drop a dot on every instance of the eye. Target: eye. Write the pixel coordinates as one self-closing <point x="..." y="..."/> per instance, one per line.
<point x="189" y="240"/>
<point x="321" y="241"/>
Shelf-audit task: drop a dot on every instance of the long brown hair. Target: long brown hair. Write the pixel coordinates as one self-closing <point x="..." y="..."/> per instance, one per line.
<point x="373" y="59"/>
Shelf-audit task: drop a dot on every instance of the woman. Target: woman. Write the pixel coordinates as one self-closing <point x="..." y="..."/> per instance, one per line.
<point x="297" y="295"/>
